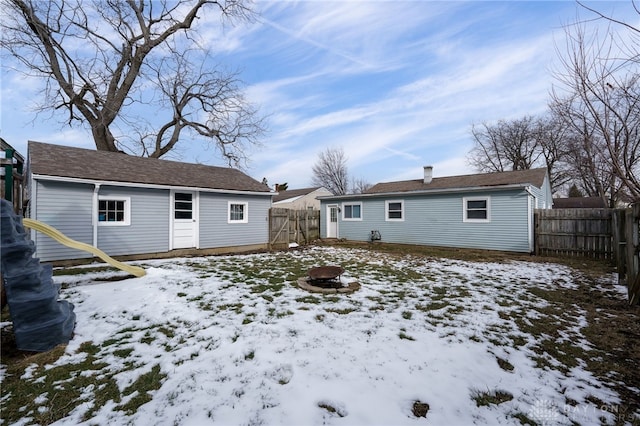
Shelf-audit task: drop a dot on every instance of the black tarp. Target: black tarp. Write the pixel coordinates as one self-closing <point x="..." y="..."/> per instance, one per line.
<point x="40" y="320"/>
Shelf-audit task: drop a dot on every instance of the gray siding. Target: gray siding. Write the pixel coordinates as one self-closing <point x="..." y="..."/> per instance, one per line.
<point x="66" y="207"/>
<point x="437" y="220"/>
<point x="216" y="232"/>
<point x="543" y="195"/>
<point x="148" y="231"/>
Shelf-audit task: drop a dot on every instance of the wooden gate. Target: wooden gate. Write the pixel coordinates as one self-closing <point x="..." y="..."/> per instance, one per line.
<point x="293" y="226"/>
<point x="574" y="232"/>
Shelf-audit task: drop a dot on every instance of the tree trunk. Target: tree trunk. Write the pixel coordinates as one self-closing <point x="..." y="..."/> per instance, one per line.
<point x="103" y="138"/>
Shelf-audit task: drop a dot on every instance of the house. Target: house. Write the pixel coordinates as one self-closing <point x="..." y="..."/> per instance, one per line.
<point x="486" y="211"/>
<point x="128" y="205"/>
<point x="300" y="199"/>
<point x="579" y="203"/>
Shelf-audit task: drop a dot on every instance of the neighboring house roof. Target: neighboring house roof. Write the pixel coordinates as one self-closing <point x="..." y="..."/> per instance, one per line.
<point x="533" y="176"/>
<point x="291" y="194"/>
<point x="64" y="161"/>
<point x="579" y="203"/>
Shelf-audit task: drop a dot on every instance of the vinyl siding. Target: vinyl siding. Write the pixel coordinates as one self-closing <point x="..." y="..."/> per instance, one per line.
<point x="437" y="220"/>
<point x="543" y="196"/>
<point x="215" y="231"/>
<point x="148" y="231"/>
<point x="66" y="207"/>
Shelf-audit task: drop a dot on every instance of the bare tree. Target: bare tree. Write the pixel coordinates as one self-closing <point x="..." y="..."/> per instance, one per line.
<point x="104" y="61"/>
<point x="598" y="95"/>
<point x="506" y="145"/>
<point x="521" y="144"/>
<point x="330" y="171"/>
<point x="359" y="186"/>
<point x="552" y="139"/>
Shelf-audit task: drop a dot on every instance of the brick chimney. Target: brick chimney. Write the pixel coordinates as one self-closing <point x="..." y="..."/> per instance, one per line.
<point x="428" y="174"/>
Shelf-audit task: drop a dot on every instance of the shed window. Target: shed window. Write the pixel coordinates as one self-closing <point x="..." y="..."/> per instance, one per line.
<point x="183" y="205"/>
<point x="114" y="211"/>
<point x="352" y="211"/>
<point x="477" y="209"/>
<point x="238" y="212"/>
<point x="394" y="210"/>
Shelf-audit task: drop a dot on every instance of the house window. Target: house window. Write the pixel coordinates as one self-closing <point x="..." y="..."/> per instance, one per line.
<point x="352" y="211"/>
<point x="476" y="209"/>
<point x="114" y="211"/>
<point x="238" y="212"/>
<point x="394" y="210"/>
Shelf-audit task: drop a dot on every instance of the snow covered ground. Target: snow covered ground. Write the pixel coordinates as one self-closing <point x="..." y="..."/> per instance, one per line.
<point x="236" y="342"/>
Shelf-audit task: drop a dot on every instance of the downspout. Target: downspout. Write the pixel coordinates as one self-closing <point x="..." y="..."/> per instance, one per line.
<point x="94" y="214"/>
<point x="33" y="205"/>
<point x="530" y="222"/>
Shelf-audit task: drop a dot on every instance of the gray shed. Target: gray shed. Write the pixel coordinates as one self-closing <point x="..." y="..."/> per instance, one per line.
<point x="127" y="205"/>
<point x="491" y="211"/>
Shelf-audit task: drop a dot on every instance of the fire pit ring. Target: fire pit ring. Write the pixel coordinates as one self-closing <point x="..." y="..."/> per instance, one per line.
<point x="325" y="273"/>
<point x="326" y="279"/>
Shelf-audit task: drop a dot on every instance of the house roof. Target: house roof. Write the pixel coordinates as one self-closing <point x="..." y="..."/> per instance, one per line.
<point x="64" y="161"/>
<point x="293" y="193"/>
<point x="533" y="177"/>
<point x="579" y="203"/>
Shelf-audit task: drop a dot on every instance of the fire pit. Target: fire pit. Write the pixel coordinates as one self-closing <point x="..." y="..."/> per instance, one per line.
<point x="326" y="279"/>
<point x="325" y="276"/>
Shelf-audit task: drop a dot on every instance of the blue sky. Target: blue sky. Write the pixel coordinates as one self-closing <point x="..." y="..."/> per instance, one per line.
<point x="396" y="84"/>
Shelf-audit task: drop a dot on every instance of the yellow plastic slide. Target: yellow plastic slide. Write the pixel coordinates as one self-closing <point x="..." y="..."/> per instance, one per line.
<point x="52" y="232"/>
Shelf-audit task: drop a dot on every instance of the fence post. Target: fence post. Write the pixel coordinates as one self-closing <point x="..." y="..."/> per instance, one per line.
<point x="633" y="253"/>
<point x="619" y="243"/>
<point x="536" y="236"/>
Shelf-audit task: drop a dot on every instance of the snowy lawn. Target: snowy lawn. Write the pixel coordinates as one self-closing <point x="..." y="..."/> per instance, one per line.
<point x="232" y="340"/>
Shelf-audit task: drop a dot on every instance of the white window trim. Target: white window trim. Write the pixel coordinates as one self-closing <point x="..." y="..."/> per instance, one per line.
<point x="245" y="212"/>
<point x="127" y="210"/>
<point x="464" y="209"/>
<point x="354" y="218"/>
<point x="386" y="211"/>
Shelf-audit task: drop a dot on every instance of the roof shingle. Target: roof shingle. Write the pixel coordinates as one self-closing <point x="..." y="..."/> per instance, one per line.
<point x="65" y="161"/>
<point x="533" y="176"/>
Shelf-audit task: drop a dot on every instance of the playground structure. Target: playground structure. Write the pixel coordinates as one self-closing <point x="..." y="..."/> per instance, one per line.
<point x="40" y="320"/>
<point x="12" y="176"/>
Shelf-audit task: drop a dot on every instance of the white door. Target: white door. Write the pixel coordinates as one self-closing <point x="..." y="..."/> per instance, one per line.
<point x="184" y="220"/>
<point x="332" y="221"/>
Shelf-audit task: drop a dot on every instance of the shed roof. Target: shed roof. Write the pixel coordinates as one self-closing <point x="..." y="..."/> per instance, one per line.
<point x="64" y="161"/>
<point x="532" y="176"/>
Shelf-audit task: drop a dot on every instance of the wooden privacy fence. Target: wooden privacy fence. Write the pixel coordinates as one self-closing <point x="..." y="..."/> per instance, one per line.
<point x="293" y="226"/>
<point x="574" y="232"/>
<point x="626" y="238"/>
<point x="611" y="234"/>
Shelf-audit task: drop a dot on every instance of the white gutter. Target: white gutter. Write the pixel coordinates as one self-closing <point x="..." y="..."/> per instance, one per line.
<point x="425" y="192"/>
<point x="147" y="185"/>
<point x="94" y="214"/>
